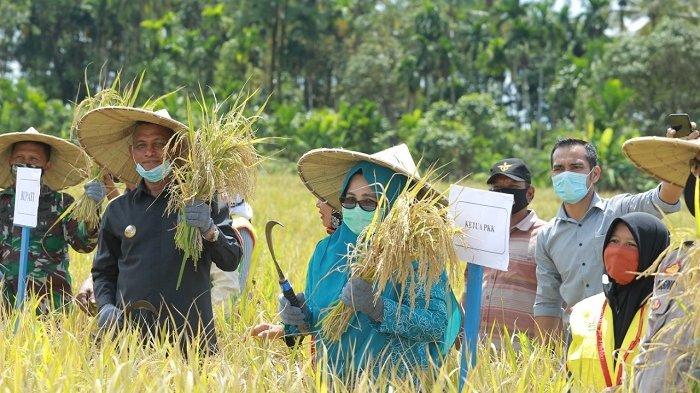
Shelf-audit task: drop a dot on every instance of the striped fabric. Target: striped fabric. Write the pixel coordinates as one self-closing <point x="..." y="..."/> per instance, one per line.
<point x="508" y="297"/>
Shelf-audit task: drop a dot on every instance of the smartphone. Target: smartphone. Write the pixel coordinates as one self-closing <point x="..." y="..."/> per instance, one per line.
<point x="681" y="123"/>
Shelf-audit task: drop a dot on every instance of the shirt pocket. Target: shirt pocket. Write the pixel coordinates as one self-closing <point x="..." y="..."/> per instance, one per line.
<point x="49" y="232"/>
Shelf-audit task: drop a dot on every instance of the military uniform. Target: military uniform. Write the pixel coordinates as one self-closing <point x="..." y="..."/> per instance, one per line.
<point x="48" y="262"/>
<point x="663" y="363"/>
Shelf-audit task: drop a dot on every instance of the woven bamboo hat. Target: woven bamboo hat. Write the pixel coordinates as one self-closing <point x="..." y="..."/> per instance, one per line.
<point x="105" y="133"/>
<point x="667" y="159"/>
<point x="323" y="170"/>
<point x="68" y="161"/>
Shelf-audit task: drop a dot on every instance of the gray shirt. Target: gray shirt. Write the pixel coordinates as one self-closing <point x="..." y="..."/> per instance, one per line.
<point x="666" y="361"/>
<point x="569" y="253"/>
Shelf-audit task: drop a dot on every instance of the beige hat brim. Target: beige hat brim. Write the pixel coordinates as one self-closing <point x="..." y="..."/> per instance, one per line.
<point x="323" y="170"/>
<point x="69" y="162"/>
<point x="667" y="159"/>
<point x="105" y="133"/>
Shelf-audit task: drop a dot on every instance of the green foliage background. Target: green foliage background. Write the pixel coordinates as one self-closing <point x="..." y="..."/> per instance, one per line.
<point x="463" y="82"/>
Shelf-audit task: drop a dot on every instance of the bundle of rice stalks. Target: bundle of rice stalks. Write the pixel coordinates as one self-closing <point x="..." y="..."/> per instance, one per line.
<point x="411" y="246"/>
<point x="218" y="157"/>
<point x="86" y="209"/>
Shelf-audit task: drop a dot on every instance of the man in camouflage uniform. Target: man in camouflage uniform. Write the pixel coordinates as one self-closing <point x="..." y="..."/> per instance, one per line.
<point x="48" y="262"/>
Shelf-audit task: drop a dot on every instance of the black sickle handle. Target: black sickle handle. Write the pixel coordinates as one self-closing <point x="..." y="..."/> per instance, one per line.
<point x="288" y="293"/>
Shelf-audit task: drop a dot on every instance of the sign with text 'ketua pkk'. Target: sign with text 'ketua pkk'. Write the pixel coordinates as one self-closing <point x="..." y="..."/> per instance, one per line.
<point x="27" y="190"/>
<point x="485" y="218"/>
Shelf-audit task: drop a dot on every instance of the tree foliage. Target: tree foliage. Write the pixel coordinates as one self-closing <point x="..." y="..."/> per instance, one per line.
<point x="463" y="82"/>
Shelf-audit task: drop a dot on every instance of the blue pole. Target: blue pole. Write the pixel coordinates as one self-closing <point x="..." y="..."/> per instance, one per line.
<point x="472" y="316"/>
<point x="23" y="255"/>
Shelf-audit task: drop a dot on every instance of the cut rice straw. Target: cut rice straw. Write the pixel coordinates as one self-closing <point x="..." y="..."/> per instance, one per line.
<point x="113" y="96"/>
<point x="411" y="247"/>
<point x="218" y="157"/>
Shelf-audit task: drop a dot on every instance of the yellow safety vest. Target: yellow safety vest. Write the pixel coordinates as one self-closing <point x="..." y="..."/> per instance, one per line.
<point x="590" y="358"/>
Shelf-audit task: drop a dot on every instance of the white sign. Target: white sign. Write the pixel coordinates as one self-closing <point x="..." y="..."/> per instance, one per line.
<point x="485" y="219"/>
<point x="27" y="190"/>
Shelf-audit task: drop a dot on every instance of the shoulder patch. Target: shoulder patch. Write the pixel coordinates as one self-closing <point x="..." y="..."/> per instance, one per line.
<point x="673" y="268"/>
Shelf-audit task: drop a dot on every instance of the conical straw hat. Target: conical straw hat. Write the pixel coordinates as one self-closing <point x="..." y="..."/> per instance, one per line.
<point x="68" y="162"/>
<point x="323" y="170"/>
<point x="105" y="133"/>
<point x="667" y="159"/>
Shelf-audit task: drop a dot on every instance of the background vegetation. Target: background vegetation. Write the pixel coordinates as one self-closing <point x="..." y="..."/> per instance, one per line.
<point x="463" y="82"/>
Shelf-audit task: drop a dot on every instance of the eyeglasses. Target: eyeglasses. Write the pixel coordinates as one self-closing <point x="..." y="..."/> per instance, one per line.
<point x="367" y="205"/>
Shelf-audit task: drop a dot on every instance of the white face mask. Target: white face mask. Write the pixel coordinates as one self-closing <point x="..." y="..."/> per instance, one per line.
<point x="156" y="174"/>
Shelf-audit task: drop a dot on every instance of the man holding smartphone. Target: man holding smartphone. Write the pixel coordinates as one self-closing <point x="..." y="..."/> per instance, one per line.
<point x="569" y="251"/>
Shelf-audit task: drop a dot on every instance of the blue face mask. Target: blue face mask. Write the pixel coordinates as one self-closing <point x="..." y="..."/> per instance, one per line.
<point x="156" y="174"/>
<point x="357" y="219"/>
<point x="571" y="187"/>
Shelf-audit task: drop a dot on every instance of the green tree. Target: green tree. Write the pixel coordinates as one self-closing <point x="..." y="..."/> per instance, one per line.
<point x="23" y="106"/>
<point x="661" y="69"/>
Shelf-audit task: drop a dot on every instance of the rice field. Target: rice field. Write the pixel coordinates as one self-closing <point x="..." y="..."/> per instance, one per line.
<point x="60" y="353"/>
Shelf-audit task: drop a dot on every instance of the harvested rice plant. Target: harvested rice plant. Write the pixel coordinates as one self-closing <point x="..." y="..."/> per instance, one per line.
<point x="60" y="353"/>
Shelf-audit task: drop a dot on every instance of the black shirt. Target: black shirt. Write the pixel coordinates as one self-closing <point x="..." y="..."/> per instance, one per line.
<point x="146" y="265"/>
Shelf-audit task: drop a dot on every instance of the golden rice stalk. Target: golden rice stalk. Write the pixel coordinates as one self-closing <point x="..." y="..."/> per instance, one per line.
<point x="412" y="246"/>
<point x="674" y="340"/>
<point x="114" y="95"/>
<point x="86" y="209"/>
<point x="219" y="156"/>
<point x="677" y="340"/>
<point x="83" y="209"/>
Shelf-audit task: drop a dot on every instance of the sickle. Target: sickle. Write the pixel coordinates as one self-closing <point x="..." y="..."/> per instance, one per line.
<point x="268" y="236"/>
<point x="139" y="305"/>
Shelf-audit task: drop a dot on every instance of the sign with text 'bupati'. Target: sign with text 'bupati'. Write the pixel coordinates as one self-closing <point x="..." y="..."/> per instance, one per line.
<point x="485" y="219"/>
<point x="27" y="190"/>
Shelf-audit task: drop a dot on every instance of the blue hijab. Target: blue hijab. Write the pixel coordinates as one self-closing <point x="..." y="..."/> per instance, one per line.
<point x="328" y="273"/>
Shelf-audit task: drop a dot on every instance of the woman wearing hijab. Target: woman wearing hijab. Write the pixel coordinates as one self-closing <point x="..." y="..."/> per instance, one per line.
<point x="606" y="328"/>
<point x="387" y="334"/>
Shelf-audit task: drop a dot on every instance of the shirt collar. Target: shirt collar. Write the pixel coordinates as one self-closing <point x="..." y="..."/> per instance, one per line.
<point x="526" y="223"/>
<point x="141" y="190"/>
<point x="596" y="202"/>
